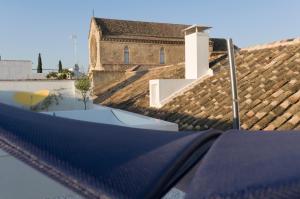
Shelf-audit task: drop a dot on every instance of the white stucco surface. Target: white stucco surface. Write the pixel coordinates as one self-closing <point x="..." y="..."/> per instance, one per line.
<point x="69" y="98"/>
<point x="196" y="55"/>
<point x="15" y="69"/>
<point x="107" y="115"/>
<point x="162" y="89"/>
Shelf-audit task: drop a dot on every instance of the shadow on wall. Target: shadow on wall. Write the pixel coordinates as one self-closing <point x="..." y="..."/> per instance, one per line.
<point x="41" y="101"/>
<point x="112" y="90"/>
<point x="185" y="122"/>
<point x="101" y="79"/>
<point x="214" y="62"/>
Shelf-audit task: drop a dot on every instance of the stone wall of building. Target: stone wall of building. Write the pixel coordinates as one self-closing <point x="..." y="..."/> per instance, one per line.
<point x="94" y="46"/>
<point x="112" y="54"/>
<point x="106" y="49"/>
<point x="101" y="79"/>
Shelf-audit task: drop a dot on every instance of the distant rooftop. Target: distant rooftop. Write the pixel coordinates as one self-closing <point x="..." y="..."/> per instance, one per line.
<point x="140" y="28"/>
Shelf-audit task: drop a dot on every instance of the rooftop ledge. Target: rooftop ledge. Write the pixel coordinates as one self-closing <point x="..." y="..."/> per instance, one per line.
<point x="198" y="28"/>
<point x="164" y="90"/>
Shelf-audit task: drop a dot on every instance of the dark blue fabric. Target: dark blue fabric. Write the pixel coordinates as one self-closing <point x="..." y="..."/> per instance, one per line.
<point x="115" y="161"/>
<point x="250" y="165"/>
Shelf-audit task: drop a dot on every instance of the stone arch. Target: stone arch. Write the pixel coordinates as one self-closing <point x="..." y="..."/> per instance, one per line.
<point x="93" y="51"/>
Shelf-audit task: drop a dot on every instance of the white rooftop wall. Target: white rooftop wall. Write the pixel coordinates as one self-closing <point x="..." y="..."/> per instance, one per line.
<point x="18" y="70"/>
<point x="69" y="99"/>
<point x="107" y="115"/>
<point x="162" y="89"/>
<point x="15" y="70"/>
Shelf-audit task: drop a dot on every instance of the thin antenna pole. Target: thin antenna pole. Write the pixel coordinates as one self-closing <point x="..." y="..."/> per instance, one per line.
<point x="74" y="39"/>
<point x="75" y="49"/>
<point x="93" y="12"/>
<point x="234" y="93"/>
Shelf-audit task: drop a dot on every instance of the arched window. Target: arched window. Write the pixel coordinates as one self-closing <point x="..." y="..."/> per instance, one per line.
<point x="162" y="56"/>
<point x="126" y="55"/>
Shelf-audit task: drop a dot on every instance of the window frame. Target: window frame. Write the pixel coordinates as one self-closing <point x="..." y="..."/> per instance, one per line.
<point x="162" y="56"/>
<point x="126" y="55"/>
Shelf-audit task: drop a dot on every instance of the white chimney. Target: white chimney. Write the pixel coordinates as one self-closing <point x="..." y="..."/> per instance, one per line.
<point x="196" y="52"/>
<point x="196" y="67"/>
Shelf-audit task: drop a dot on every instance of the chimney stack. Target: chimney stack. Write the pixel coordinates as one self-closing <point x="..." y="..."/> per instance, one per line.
<point x="196" y="52"/>
<point x="196" y="67"/>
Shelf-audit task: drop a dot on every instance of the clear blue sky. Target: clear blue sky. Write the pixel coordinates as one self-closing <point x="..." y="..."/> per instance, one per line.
<point x="32" y="26"/>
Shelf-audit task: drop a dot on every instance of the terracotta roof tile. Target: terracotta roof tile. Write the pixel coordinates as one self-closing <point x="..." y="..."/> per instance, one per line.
<point x="268" y="88"/>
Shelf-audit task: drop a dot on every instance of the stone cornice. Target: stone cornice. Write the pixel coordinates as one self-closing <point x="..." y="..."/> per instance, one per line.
<point x="144" y="40"/>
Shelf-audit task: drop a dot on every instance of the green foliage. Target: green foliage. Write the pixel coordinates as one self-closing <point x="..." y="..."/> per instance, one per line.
<point x="70" y="73"/>
<point x="52" y="75"/>
<point x="40" y="64"/>
<point x="61" y="76"/>
<point x="60" y="67"/>
<point x="83" y="85"/>
<point x="64" y="74"/>
<point x="53" y="98"/>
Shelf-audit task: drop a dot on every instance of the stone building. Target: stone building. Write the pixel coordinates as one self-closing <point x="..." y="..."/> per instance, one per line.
<point x="121" y="44"/>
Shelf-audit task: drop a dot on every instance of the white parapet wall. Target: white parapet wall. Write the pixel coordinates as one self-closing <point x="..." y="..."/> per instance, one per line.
<point x="64" y="95"/>
<point x="15" y="69"/>
<point x="162" y="89"/>
<point x="18" y="70"/>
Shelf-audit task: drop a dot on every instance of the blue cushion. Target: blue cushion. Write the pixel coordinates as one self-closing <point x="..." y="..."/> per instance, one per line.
<point x="250" y="165"/>
<point x="105" y="160"/>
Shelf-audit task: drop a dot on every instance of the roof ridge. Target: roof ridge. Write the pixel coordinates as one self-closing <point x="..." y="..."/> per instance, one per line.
<point x="140" y="21"/>
<point x="285" y="42"/>
<point x="111" y="27"/>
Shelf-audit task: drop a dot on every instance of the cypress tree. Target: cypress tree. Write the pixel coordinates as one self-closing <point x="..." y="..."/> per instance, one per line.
<point x="39" y="67"/>
<point x="60" y="69"/>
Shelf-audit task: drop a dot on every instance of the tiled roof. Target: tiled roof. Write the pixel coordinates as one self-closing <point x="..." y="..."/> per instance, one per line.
<point x="139" y="28"/>
<point x="268" y="88"/>
<point x="133" y="92"/>
<point x="115" y="28"/>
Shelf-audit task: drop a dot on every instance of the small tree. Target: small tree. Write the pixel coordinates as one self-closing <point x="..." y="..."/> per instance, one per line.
<point x="60" y="68"/>
<point x="40" y="64"/>
<point x="83" y="85"/>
